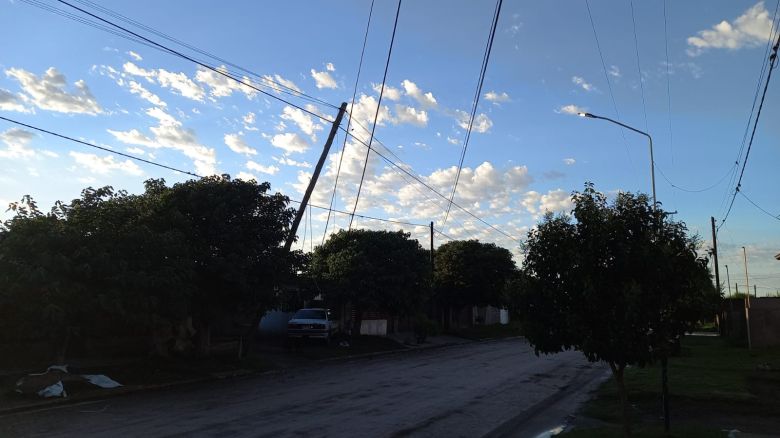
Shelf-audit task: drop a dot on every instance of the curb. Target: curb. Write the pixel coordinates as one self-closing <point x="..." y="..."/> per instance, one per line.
<point x="127" y="390"/>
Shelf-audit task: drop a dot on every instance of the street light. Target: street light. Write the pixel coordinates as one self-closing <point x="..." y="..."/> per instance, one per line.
<point x="652" y="161"/>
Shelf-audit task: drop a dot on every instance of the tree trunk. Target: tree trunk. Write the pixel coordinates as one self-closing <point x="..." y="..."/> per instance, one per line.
<point x="617" y="372"/>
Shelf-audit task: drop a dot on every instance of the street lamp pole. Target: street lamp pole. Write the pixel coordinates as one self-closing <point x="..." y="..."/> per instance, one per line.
<point x="652" y="160"/>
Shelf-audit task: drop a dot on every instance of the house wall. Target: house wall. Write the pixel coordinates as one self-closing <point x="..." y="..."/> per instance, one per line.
<point x="764" y="321"/>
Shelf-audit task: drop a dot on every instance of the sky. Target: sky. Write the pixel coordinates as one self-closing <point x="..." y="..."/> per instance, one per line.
<point x="528" y="150"/>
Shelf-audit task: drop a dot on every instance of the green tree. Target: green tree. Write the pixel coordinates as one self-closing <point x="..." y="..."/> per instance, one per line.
<point x="373" y="270"/>
<point x="617" y="282"/>
<point x="471" y="273"/>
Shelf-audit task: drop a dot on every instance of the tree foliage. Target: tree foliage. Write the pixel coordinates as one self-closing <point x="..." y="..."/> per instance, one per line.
<point x="617" y="281"/>
<point x="373" y="270"/>
<point x="472" y="273"/>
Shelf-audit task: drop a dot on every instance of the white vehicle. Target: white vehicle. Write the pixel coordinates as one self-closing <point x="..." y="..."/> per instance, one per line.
<point x="311" y="323"/>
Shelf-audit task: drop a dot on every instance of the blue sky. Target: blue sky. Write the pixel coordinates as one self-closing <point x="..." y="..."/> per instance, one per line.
<point x="527" y="152"/>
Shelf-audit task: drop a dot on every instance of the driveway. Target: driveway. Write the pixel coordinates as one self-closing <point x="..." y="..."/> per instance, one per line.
<point x="497" y="388"/>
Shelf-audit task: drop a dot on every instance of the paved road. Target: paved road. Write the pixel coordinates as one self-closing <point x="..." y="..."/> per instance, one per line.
<point x="495" y="388"/>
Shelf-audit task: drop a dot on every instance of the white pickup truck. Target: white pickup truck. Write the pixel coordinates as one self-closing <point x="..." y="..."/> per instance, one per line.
<point x="312" y="323"/>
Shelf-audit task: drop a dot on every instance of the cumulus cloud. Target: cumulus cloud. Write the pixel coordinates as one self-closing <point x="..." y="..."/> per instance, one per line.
<point x="105" y="165"/>
<point x="222" y="86"/>
<point x="145" y="94"/>
<point x="135" y="70"/>
<point x="330" y="67"/>
<point x="452" y="140"/>
<point x="364" y="109"/>
<point x="407" y="114"/>
<point x="496" y="97"/>
<point x="482" y="122"/>
<point x="270" y="170"/>
<point x="323" y="79"/>
<point x="135" y="56"/>
<point x="179" y="82"/>
<point x="302" y="120"/>
<point x="290" y="143"/>
<point x="246" y="176"/>
<point x="750" y="29"/>
<point x="571" y="109"/>
<point x="390" y="93"/>
<point x="11" y="102"/>
<point x="170" y="134"/>
<point x="569" y="161"/>
<point x="582" y="83"/>
<point x="412" y="90"/>
<point x="237" y="144"/>
<point x="276" y="80"/>
<point x="48" y="92"/>
<point x="16" y="143"/>
<point x="289" y="162"/>
<point x="553" y="201"/>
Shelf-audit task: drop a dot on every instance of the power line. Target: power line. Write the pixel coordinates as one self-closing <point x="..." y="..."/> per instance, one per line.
<point x="132" y="157"/>
<point x="668" y="87"/>
<point x="480" y="82"/>
<point x="638" y="66"/>
<point x="772" y="59"/>
<point x="774" y="216"/>
<point x="609" y="84"/>
<point x="378" y="108"/>
<point x="717" y="183"/>
<point x="349" y="119"/>
<point x="193" y="60"/>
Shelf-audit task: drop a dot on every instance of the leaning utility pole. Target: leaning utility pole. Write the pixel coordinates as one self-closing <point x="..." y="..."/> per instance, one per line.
<point x="747" y="300"/>
<point x="728" y="280"/>
<point x="715" y="254"/>
<point x="313" y="181"/>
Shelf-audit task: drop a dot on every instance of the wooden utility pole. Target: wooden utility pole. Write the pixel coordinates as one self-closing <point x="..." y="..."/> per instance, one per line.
<point x="431" y="252"/>
<point x="715" y="254"/>
<point x="747" y="300"/>
<point x="728" y="279"/>
<point x="313" y="182"/>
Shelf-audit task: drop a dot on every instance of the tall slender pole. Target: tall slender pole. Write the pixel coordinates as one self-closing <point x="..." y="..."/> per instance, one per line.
<point x="728" y="279"/>
<point x="747" y="300"/>
<point x="715" y="254"/>
<point x="652" y="178"/>
<point x="297" y="221"/>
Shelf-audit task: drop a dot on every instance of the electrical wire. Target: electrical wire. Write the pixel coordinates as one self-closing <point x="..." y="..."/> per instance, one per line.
<point x="773" y="216"/>
<point x="376" y="114"/>
<point x="480" y="82"/>
<point x="668" y="87"/>
<point x="609" y="85"/>
<point x="349" y="118"/>
<point x="723" y="178"/>
<point x="638" y="66"/>
<point x="132" y="157"/>
<point x="193" y="60"/>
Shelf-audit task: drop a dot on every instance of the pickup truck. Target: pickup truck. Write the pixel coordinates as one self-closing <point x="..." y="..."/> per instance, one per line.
<point x="311" y="323"/>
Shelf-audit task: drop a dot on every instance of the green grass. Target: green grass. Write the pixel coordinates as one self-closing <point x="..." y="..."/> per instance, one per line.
<point x="712" y="382"/>
<point x="492" y="331"/>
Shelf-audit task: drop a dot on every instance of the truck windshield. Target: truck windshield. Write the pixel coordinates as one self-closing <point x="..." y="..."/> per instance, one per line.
<point x="309" y="314"/>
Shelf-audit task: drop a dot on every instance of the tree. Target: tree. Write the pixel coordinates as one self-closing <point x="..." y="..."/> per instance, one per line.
<point x="617" y="282"/>
<point x="471" y="273"/>
<point x="373" y="270"/>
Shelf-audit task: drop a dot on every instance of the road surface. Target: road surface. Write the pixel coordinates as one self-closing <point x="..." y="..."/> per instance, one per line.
<point x="497" y="388"/>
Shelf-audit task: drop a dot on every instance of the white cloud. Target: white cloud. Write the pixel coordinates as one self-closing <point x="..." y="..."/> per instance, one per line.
<point x="614" y="71"/>
<point x="407" y="114"/>
<point x="135" y="70"/>
<point x="363" y="112"/>
<point x="571" y="109"/>
<point x="246" y="176"/>
<point x="275" y="80"/>
<point x="330" y="67"/>
<point x="290" y="143"/>
<point x="137" y="151"/>
<point x="451" y="140"/>
<point x="104" y="165"/>
<point x="482" y="122"/>
<point x="237" y="144"/>
<point x="569" y="161"/>
<point x="11" y="102"/>
<point x="289" y="162"/>
<point x="582" y="83"/>
<point x="750" y="29"/>
<point x="412" y="90"/>
<point x="390" y="93"/>
<point x="180" y="83"/>
<point x="323" y="79"/>
<point x="16" y="141"/>
<point x="145" y="94"/>
<point x="170" y="134"/>
<point x="48" y="92"/>
<point x="249" y="118"/>
<point x="496" y="97"/>
<point x="553" y="201"/>
<point x="222" y="86"/>
<point x="302" y="120"/>
<point x="270" y="170"/>
<point x="135" y="56"/>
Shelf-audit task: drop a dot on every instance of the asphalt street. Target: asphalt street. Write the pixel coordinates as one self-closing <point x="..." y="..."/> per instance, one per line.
<point x="497" y="388"/>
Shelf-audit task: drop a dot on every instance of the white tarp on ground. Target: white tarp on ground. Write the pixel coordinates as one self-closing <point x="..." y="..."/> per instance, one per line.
<point x="56" y="390"/>
<point x="101" y="380"/>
